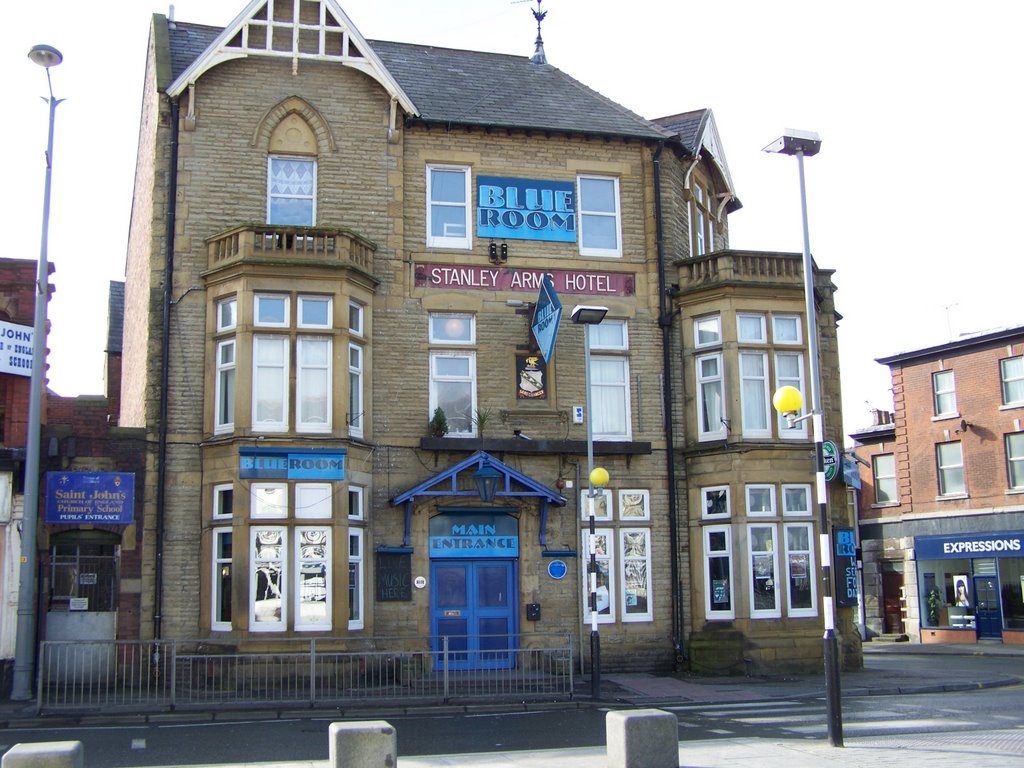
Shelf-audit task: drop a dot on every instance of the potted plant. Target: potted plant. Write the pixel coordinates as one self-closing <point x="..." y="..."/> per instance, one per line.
<point x="438" y="425"/>
<point x="934" y="601"/>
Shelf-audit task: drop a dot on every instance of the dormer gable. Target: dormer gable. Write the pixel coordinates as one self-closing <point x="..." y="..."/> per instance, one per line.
<point x="299" y="30"/>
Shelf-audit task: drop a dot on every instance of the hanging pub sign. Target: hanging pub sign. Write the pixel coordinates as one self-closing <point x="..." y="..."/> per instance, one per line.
<point x="90" y="497"/>
<point x="531" y="377"/>
<point x="846" y="567"/>
<point x="525" y="209"/>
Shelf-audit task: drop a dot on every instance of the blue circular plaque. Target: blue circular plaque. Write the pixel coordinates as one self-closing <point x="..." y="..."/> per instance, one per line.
<point x="557" y="569"/>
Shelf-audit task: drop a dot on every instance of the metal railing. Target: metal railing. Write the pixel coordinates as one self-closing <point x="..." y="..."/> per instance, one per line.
<point x="174" y="674"/>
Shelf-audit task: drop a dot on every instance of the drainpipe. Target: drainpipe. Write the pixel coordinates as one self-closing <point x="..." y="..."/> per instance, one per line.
<point x="161" y="468"/>
<point x="665" y="316"/>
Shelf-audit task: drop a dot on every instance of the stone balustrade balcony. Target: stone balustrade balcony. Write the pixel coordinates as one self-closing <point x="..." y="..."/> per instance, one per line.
<point x="309" y="245"/>
<point x="739" y="267"/>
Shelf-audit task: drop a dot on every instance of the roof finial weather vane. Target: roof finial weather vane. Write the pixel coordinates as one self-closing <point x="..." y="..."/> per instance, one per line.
<point x="538" y="45"/>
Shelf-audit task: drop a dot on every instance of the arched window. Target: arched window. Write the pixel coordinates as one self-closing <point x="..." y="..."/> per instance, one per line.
<point x="291" y="173"/>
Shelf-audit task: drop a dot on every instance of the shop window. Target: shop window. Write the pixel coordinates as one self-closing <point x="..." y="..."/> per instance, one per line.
<point x="600" y="226"/>
<point x="267" y="604"/>
<point x="1011" y="372"/>
<point x="764" y="570"/>
<point x="448" y="214"/>
<point x="603" y="547"/>
<point x="635" y="553"/>
<point x="950" y="461"/>
<point x="883" y="469"/>
<point x="718" y="581"/>
<point x="1015" y="460"/>
<point x="944" y="394"/>
<point x="312" y="578"/>
<point x="220" y="612"/>
<point x="711" y="416"/>
<point x="801" y="594"/>
<point x="355" y="579"/>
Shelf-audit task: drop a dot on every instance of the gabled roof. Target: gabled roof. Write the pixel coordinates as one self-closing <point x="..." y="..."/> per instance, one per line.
<point x="328" y="36"/>
<point x="503" y="91"/>
<point x="513" y="482"/>
<point x="698" y="134"/>
<point x="439" y="85"/>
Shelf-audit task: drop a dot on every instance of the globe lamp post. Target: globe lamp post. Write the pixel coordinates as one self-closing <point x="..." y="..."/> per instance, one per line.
<point x="788" y="401"/>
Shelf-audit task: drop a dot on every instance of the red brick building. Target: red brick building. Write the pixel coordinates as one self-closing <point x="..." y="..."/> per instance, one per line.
<point x="941" y="507"/>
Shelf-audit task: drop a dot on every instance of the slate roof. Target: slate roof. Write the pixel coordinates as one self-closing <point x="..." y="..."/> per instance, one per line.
<point x="687" y="127"/>
<point x="472" y="88"/>
<point x="499" y="90"/>
<point x="187" y="43"/>
<point x="115" y="316"/>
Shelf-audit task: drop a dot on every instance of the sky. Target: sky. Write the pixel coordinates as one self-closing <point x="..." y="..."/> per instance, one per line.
<point x="910" y="200"/>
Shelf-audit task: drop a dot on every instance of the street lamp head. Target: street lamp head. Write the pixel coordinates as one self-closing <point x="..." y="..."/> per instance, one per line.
<point x="788" y="400"/>
<point x="45" y="56"/>
<point x="795" y="142"/>
<point x="582" y="314"/>
<point x="599" y="477"/>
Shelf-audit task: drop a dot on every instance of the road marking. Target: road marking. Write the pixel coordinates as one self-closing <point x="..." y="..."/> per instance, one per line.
<point x="138" y="743"/>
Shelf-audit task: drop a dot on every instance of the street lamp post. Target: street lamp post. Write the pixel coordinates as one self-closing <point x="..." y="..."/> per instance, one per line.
<point x="24" y="650"/>
<point x="801" y="144"/>
<point x="586" y="316"/>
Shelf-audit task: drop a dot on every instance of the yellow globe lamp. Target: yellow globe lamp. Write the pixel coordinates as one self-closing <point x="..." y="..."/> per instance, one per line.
<point x="599" y="477"/>
<point x="787" y="399"/>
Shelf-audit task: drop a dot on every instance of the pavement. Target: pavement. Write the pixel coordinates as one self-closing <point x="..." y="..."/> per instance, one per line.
<point x="889" y="669"/>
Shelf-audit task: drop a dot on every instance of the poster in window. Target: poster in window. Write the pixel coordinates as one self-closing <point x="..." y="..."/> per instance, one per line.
<point x="531" y="377"/>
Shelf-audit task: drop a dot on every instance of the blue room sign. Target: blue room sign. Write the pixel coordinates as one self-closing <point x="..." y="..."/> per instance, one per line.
<point x="291" y="464"/>
<point x="90" y="497"/>
<point x="525" y="209"/>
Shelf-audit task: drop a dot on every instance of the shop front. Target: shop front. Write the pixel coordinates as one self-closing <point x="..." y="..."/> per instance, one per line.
<point x="970" y="587"/>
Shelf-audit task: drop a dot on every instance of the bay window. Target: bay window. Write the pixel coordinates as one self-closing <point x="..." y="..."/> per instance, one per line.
<point x="267" y="604"/>
<point x="313" y="384"/>
<point x="312" y="578"/>
<point x="270" y="383"/>
<point x="355" y="579"/>
<point x="789" y="371"/>
<point x="355" y="390"/>
<point x="710" y="398"/>
<point x="220" y="610"/>
<point x="754" y="393"/>
<point x="224" y="388"/>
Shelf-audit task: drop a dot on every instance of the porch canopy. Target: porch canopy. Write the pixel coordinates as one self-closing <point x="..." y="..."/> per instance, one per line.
<point x="458" y="481"/>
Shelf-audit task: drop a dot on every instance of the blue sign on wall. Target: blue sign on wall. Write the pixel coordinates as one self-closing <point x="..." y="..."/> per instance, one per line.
<point x="525" y="209"/>
<point x="291" y="464"/>
<point x="964" y="546"/>
<point x="474" y="536"/>
<point x="90" y="497"/>
<point x="846" y="568"/>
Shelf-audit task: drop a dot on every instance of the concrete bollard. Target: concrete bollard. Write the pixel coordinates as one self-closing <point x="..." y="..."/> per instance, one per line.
<point x="45" y="754"/>
<point x="363" y="744"/>
<point x="642" y="738"/>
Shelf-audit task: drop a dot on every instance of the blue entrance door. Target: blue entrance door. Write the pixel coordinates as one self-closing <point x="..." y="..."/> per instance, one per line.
<point x="987" y="612"/>
<point x="472" y="603"/>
